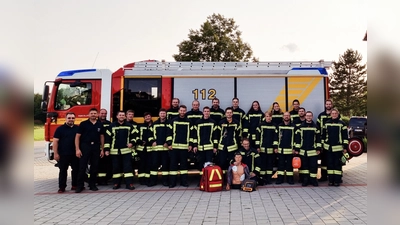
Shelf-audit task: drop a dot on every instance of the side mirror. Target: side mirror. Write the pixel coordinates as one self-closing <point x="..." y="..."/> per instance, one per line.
<point x="45" y="95"/>
<point x="43" y="106"/>
<point x="45" y="98"/>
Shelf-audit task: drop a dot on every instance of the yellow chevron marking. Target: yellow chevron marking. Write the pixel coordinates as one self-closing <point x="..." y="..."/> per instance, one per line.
<point x="299" y="88"/>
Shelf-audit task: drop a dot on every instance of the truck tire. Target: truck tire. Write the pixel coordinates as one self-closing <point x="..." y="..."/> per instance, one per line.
<point x="355" y="147"/>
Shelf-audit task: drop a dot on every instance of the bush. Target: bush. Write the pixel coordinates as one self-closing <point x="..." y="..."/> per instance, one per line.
<point x="38" y="123"/>
<point x="345" y="119"/>
<point x="365" y="142"/>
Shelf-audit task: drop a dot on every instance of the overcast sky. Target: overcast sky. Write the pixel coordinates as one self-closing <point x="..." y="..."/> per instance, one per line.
<point x="51" y="36"/>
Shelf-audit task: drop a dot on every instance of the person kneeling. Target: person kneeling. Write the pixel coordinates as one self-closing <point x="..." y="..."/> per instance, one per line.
<point x="237" y="173"/>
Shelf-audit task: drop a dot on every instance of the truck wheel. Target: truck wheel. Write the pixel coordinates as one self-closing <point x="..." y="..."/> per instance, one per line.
<point x="355" y="147"/>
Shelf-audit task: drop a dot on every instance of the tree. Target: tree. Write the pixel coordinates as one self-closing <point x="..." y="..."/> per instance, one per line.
<point x="348" y="84"/>
<point x="218" y="39"/>
<point x="37" y="110"/>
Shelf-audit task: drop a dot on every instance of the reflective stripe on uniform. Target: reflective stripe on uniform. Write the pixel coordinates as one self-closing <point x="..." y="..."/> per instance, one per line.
<point x="117" y="175"/>
<point x="128" y="174"/>
<point x="183" y="172"/>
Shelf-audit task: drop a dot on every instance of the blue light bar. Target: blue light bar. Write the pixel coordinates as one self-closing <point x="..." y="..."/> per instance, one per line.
<point x="68" y="73"/>
<point x="321" y="70"/>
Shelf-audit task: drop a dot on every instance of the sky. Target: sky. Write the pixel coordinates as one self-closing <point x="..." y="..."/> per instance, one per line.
<point x="45" y="37"/>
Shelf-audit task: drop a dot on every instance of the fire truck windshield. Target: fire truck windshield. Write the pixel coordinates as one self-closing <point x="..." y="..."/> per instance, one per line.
<point x="67" y="96"/>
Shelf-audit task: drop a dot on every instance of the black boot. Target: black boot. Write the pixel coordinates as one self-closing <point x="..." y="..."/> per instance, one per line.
<point x="184" y="181"/>
<point x="165" y="181"/>
<point x="152" y="181"/>
<point x="301" y="178"/>
<point x="314" y="182"/>
<point x="305" y="181"/>
<point x="290" y="179"/>
<point x="324" y="176"/>
<point x="172" y="181"/>
<point x="279" y="180"/>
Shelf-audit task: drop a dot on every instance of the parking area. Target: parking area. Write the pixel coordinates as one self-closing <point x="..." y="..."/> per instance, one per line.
<point x="272" y="204"/>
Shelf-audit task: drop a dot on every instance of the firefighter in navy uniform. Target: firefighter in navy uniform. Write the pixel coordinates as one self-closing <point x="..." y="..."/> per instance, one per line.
<point x="299" y="120"/>
<point x="158" y="139"/>
<point x="301" y="117"/>
<point x="277" y="114"/>
<point x="254" y="117"/>
<point x="266" y="143"/>
<point x="251" y="158"/>
<point x="228" y="136"/>
<point x="240" y="116"/>
<point x="173" y="112"/>
<point x="194" y="114"/>
<point x="120" y="138"/>
<point x="308" y="145"/>
<point x="294" y="114"/>
<point x="336" y="140"/>
<point x="321" y="120"/>
<point x="180" y="143"/>
<point x="105" y="164"/>
<point x="286" y="132"/>
<point x="129" y="118"/>
<point x="89" y="145"/>
<point x="205" y="142"/>
<point x="216" y="113"/>
<point x="144" y="148"/>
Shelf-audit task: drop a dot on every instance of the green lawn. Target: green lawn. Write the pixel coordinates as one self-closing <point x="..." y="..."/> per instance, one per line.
<point x="38" y="133"/>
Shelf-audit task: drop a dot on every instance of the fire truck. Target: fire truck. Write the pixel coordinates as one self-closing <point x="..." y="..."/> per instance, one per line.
<point x="147" y="86"/>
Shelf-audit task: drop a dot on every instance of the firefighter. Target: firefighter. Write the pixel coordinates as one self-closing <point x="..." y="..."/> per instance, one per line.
<point x="129" y="118"/>
<point x="205" y="143"/>
<point x="300" y="119"/>
<point x="286" y="132"/>
<point x="173" y="112"/>
<point x="308" y="145"/>
<point x="158" y="140"/>
<point x="251" y="158"/>
<point x="144" y="148"/>
<point x="277" y="114"/>
<point x="180" y="142"/>
<point x="194" y="114"/>
<point x="216" y="113"/>
<point x="254" y="117"/>
<point x="89" y="146"/>
<point x="321" y="120"/>
<point x="335" y="136"/>
<point x="120" y="138"/>
<point x="105" y="164"/>
<point x="240" y="116"/>
<point x="267" y="144"/>
<point x="228" y="136"/>
<point x="64" y="152"/>
<point x="294" y="114"/>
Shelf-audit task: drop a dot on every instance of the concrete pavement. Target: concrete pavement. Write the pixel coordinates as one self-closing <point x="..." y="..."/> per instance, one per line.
<point x="272" y="204"/>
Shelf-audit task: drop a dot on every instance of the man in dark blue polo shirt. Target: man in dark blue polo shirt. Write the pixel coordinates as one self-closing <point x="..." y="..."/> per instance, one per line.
<point x="89" y="144"/>
<point x="64" y="152"/>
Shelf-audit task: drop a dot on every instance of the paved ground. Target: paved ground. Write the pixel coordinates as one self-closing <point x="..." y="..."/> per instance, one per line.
<point x="272" y="204"/>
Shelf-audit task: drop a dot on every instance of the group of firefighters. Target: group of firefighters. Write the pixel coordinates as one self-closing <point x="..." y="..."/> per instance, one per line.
<point x="264" y="139"/>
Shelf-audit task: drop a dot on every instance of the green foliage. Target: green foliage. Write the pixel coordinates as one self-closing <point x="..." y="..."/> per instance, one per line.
<point x="38" y="115"/>
<point x="348" y="84"/>
<point x="365" y="142"/>
<point x="218" y="39"/>
<point x="345" y="119"/>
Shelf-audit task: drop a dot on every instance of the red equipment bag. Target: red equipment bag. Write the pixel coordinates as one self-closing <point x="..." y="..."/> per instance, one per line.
<point x="211" y="180"/>
<point x="296" y="162"/>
